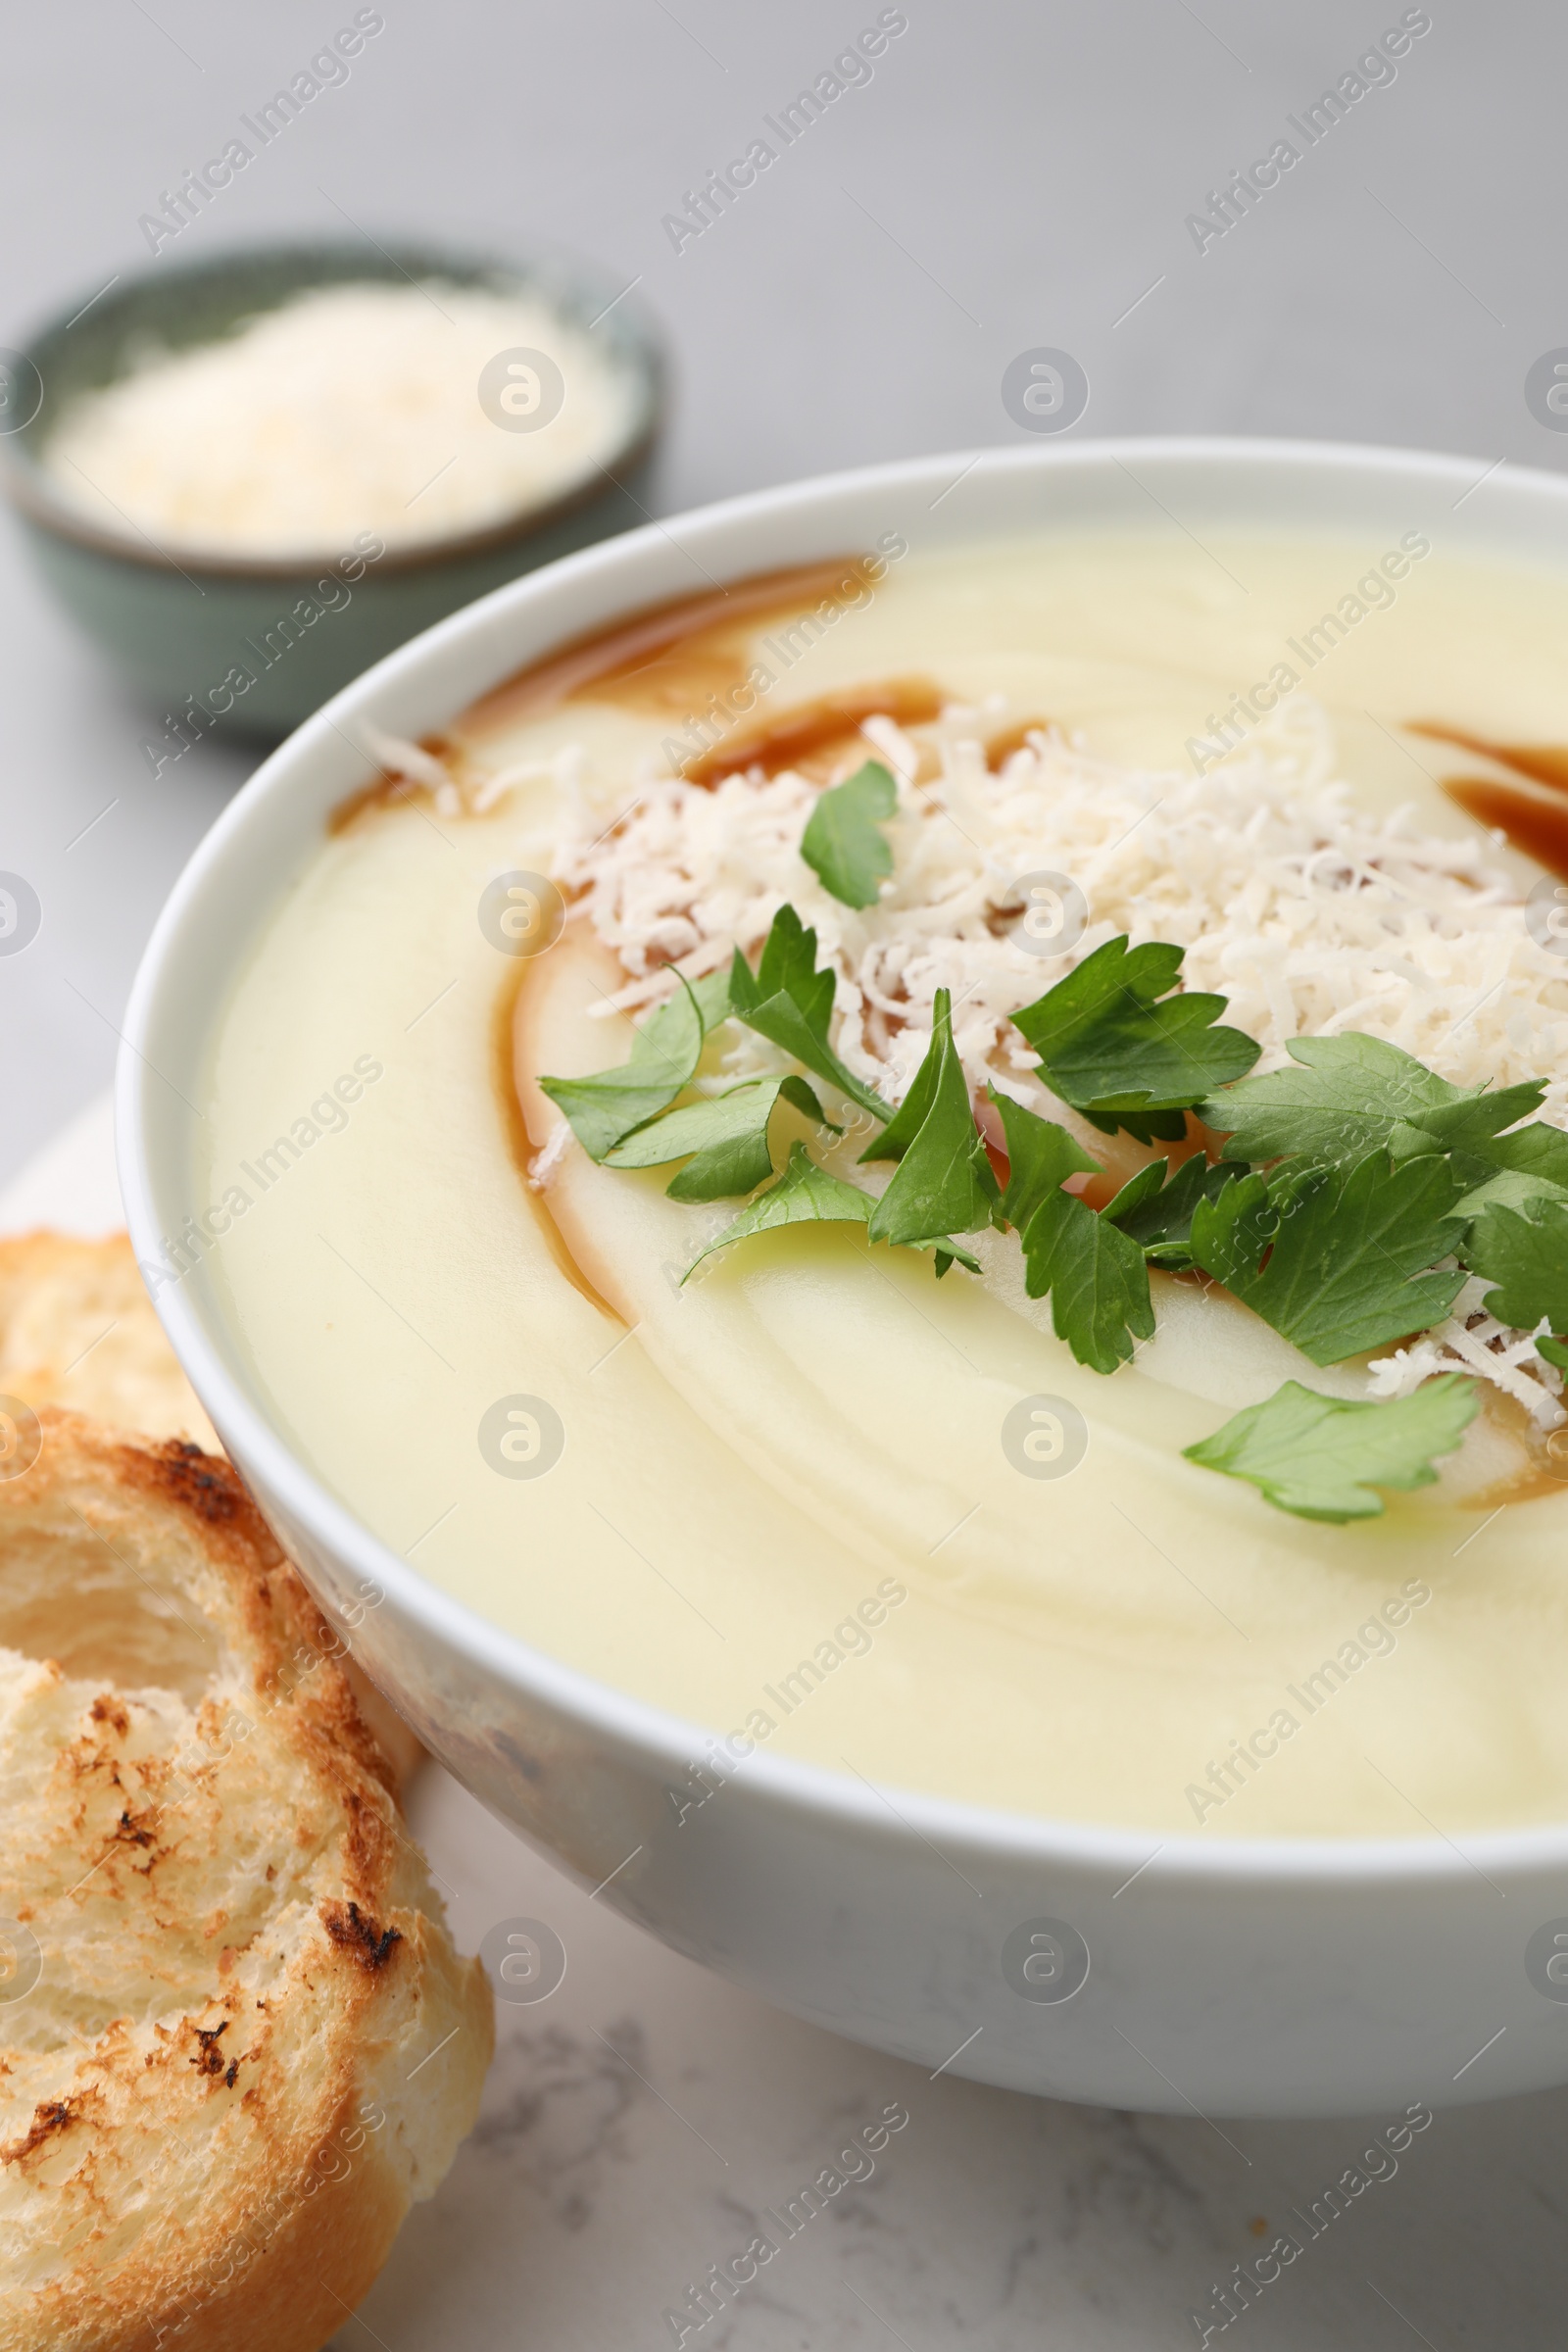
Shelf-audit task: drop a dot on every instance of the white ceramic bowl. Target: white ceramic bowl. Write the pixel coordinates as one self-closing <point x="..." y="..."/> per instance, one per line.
<point x="1242" y="1978"/>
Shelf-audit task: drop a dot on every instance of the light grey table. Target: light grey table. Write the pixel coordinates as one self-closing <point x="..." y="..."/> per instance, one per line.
<point x="1011" y="175"/>
<point x="1014" y="173"/>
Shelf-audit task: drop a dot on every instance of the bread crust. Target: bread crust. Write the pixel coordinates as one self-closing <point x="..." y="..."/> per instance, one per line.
<point x="251" y="2044"/>
<point x="78" y="1329"/>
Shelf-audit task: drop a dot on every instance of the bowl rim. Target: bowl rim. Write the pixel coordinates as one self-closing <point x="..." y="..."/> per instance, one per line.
<point x="1188" y="1861"/>
<point x="30" y="491"/>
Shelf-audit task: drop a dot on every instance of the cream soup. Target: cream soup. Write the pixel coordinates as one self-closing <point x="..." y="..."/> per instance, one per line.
<point x="790" y="1499"/>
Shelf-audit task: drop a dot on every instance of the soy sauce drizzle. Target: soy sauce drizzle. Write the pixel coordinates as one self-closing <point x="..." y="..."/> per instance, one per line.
<point x="1535" y="821"/>
<point x="1542" y="763"/>
<point x="1532" y="822"/>
<point x="831" y="719"/>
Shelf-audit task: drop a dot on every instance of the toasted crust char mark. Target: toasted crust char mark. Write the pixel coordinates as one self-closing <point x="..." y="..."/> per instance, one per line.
<point x="359" y="1936"/>
<point x="209" y="2060"/>
<point x="176" y="1471"/>
<point x="200" y="1481"/>
<point x="53" y="2116"/>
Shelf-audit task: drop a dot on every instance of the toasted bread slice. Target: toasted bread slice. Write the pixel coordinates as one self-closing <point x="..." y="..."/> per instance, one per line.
<point x="250" y="2043"/>
<point x="78" y="1329"/>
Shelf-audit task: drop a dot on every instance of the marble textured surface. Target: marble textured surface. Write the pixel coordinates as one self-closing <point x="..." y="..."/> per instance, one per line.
<point x="639" y="2121"/>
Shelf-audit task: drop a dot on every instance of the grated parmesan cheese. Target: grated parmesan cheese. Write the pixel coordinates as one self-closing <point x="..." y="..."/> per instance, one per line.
<point x="348" y="408"/>
<point x="1310" y="914"/>
<point x="1472" y="1341"/>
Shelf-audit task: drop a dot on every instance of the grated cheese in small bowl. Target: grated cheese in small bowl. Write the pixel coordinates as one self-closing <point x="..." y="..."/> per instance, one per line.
<point x="349" y="406"/>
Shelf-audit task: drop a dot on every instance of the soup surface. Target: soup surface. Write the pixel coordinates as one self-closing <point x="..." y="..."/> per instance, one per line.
<point x="813" y="1497"/>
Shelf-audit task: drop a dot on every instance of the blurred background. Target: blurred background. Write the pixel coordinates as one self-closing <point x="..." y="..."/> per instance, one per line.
<point x="1006" y="176"/>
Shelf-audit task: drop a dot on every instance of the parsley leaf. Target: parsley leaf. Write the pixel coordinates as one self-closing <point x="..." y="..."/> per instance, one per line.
<point x="1351" y="1095"/>
<point x="1555" y="1353"/>
<point x="1098" y="1283"/>
<point x="953" y="1256"/>
<point x="905" y="1123"/>
<point x="842" y="843"/>
<point x="1470" y="1128"/>
<point x="803" y="1194"/>
<point x="1159" y="1216"/>
<point x="1349" y="1250"/>
<point x="663" y="1055"/>
<point x="1228" y="1234"/>
<point x="1509" y="1189"/>
<point x="1108" y="1045"/>
<point x="1322" y="1457"/>
<point x="1527" y="1256"/>
<point x="1538" y="1151"/>
<point x="790" y="1003"/>
<point x="728" y="1133"/>
<point x="943" y="1183"/>
<point x="787" y="966"/>
<point x="712" y="997"/>
<point x="1342" y="1101"/>
<point x="1041" y="1155"/>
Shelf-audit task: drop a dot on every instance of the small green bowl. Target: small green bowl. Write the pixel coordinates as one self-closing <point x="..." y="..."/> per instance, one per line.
<point x="177" y="628"/>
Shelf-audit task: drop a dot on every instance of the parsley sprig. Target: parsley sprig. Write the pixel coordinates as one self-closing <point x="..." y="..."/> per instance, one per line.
<point x="1156" y="1211"/>
<point x="844" y="844"/>
<point x="943" y="1183"/>
<point x="726" y="1136"/>
<point x="1093" y="1273"/>
<point x="1117" y="1045"/>
<point x="805" y="1195"/>
<point x="1354" y="1193"/>
<point x="1526" y="1254"/>
<point x="1323" y="1458"/>
<point x="1338" y="1260"/>
<point x="616" y="1102"/>
<point x="1347" y="1095"/>
<point x="790" y="1003"/>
